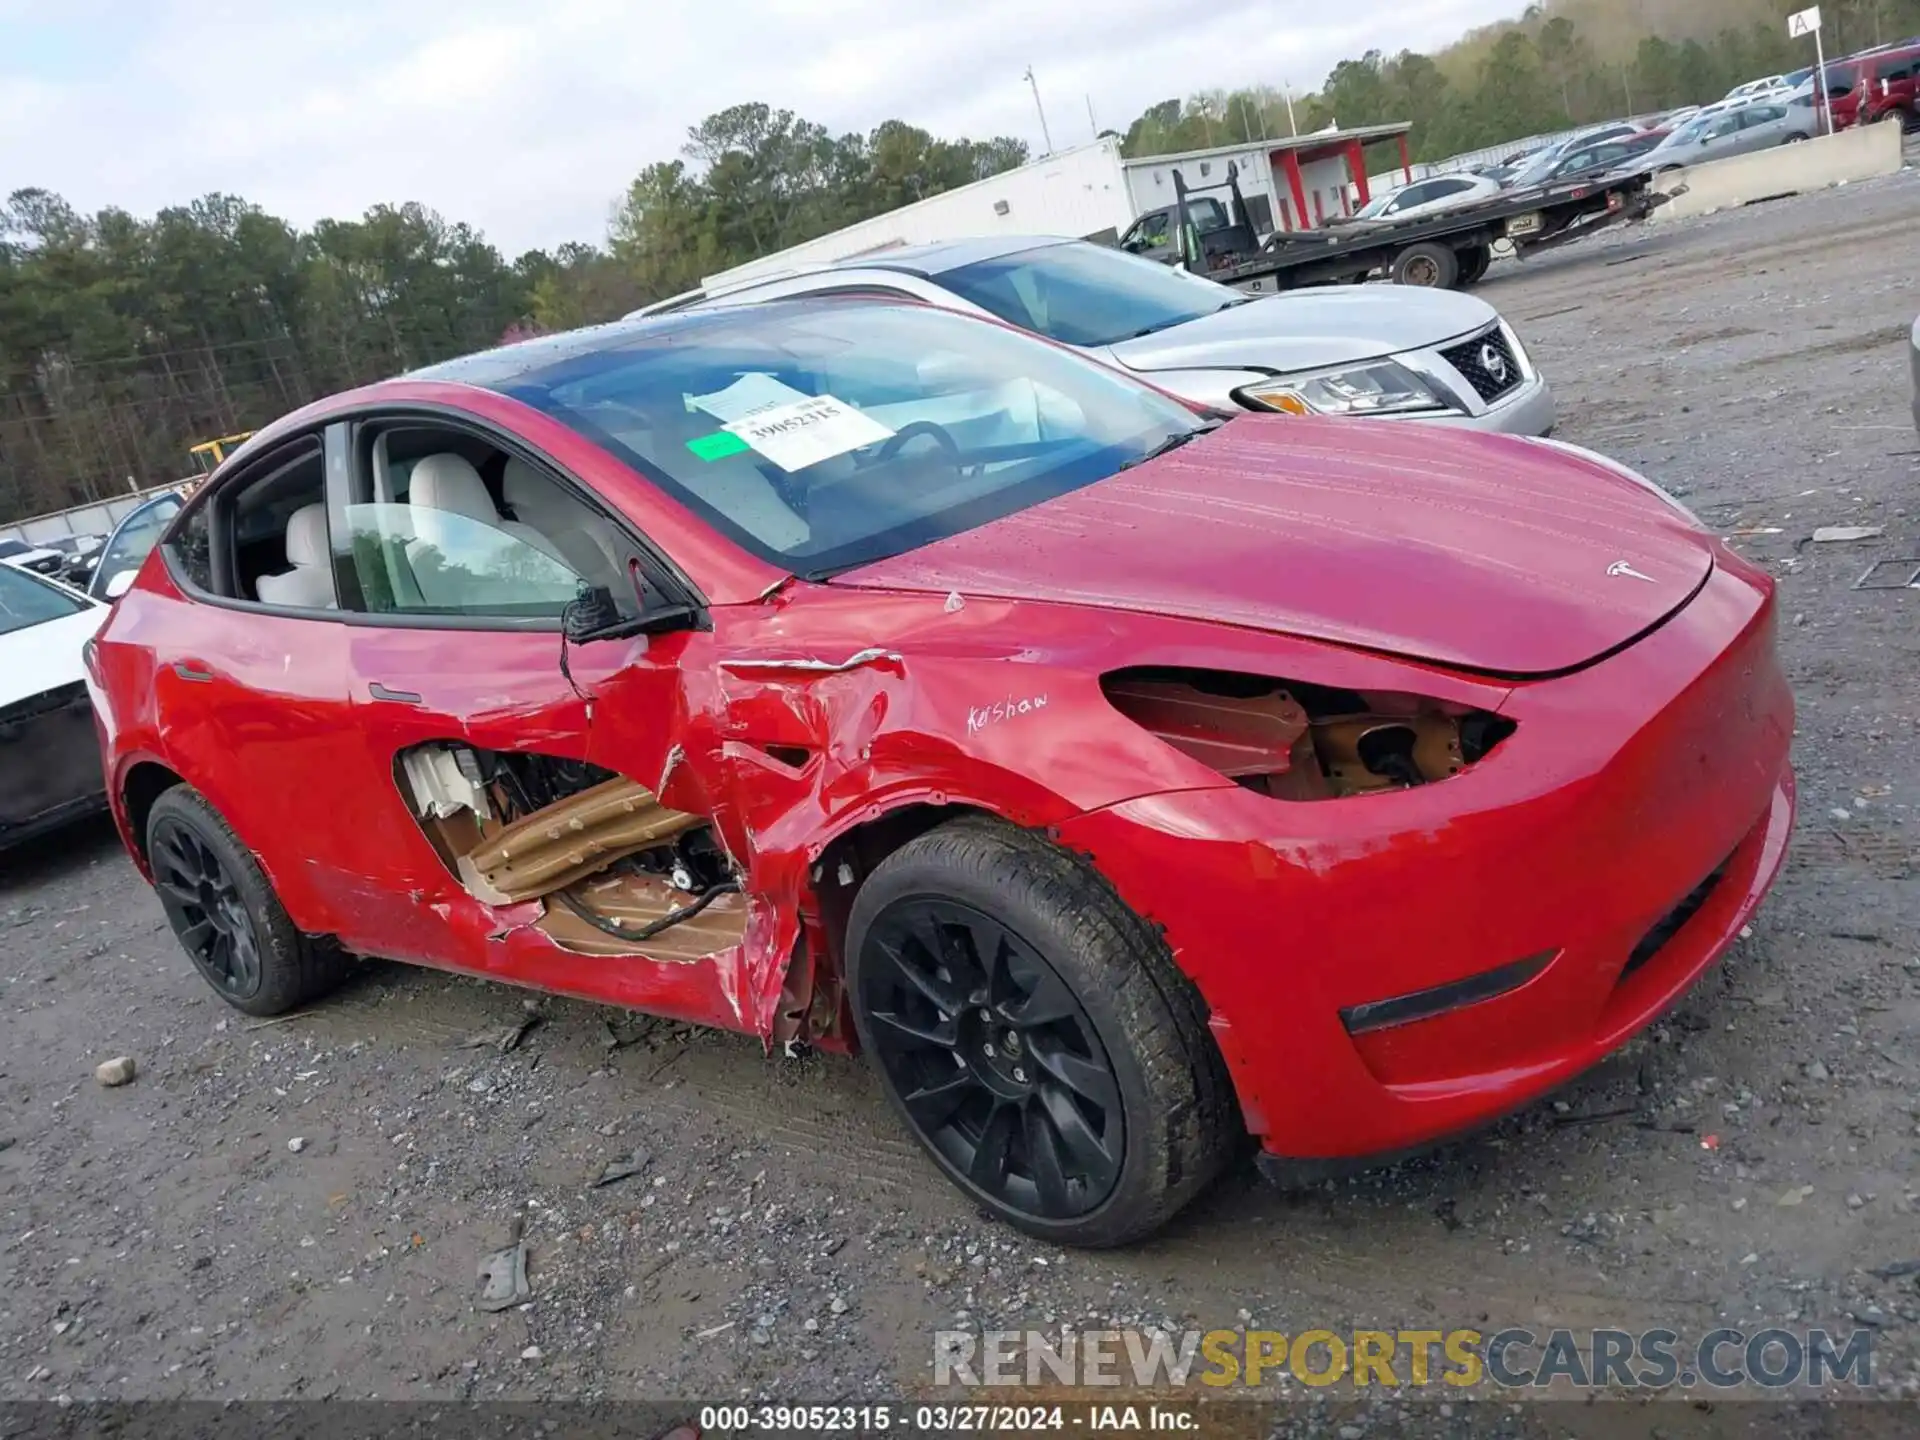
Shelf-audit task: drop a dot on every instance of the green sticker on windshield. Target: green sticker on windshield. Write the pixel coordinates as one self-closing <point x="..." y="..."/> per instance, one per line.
<point x="717" y="446"/>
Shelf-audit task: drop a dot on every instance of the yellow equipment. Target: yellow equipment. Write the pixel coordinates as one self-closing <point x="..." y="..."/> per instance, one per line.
<point x="208" y="454"/>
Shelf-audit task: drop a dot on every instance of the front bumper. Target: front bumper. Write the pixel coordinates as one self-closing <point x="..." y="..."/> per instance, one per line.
<point x="1622" y="789"/>
<point x="1527" y="409"/>
<point x="49" y="764"/>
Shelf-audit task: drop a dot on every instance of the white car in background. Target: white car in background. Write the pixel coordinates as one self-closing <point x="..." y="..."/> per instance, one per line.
<point x="49" y="749"/>
<point x="1389" y="352"/>
<point x="1425" y="197"/>
<point x="1758" y="89"/>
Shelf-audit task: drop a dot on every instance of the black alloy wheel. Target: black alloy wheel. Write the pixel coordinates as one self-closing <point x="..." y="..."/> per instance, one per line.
<point x="993" y="1059"/>
<point x="205" y="905"/>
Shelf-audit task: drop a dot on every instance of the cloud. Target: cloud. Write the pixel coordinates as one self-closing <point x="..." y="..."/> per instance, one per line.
<point x="529" y="121"/>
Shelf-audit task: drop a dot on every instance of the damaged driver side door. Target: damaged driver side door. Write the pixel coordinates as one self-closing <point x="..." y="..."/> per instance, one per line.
<point x="513" y="849"/>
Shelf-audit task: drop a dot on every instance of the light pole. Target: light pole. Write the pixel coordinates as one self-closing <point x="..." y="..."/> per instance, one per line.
<point x="1045" y="133"/>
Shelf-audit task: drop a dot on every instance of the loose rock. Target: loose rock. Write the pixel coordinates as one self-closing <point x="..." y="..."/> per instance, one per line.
<point x="116" y="1072"/>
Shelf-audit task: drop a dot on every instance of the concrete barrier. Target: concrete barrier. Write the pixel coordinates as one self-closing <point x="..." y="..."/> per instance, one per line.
<point x="1857" y="154"/>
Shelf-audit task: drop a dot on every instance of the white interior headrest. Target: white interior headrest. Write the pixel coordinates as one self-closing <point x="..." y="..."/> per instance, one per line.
<point x="307" y="536"/>
<point x="447" y="482"/>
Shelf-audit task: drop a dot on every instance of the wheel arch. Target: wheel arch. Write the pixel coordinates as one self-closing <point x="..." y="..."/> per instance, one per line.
<point x="858" y="850"/>
<point x="141" y="784"/>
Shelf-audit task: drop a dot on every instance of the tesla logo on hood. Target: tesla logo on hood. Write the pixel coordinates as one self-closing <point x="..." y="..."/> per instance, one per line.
<point x="1621" y="567"/>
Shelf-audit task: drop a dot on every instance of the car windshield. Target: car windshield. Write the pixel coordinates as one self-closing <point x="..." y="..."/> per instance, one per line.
<point x="1082" y="294"/>
<point x="821" y="436"/>
<point x="1374" y="206"/>
<point x="26" y="600"/>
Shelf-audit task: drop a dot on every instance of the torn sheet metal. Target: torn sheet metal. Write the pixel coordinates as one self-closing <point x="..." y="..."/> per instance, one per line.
<point x="874" y="656"/>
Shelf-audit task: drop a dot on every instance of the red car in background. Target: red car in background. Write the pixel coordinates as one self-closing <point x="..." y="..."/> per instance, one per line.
<point x="1888" y="87"/>
<point x="1874" y="86"/>
<point x="1121" y="777"/>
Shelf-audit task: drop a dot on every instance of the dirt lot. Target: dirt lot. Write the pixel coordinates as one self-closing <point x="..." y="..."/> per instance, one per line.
<point x="170" y="1238"/>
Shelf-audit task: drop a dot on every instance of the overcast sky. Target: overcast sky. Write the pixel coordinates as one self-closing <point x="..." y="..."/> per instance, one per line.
<point x="528" y="117"/>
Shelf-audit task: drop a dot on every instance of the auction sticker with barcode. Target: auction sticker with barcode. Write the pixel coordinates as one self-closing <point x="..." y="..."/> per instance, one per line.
<point x="808" y="431"/>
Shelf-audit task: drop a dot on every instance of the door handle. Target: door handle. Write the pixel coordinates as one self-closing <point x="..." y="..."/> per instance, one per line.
<point x="187" y="670"/>
<point x="399" y="697"/>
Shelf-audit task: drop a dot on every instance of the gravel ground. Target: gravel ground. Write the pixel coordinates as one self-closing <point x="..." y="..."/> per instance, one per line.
<point x="296" y="1209"/>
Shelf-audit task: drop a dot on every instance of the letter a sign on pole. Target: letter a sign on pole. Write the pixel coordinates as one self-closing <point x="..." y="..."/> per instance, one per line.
<point x="1807" y="22"/>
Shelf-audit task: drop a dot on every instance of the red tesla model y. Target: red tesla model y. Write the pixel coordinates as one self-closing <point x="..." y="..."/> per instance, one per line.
<point x="1120" y="777"/>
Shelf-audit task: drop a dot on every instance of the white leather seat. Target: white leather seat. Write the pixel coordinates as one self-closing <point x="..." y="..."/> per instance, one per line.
<point x="584" y="541"/>
<point x="446" y="484"/>
<point x="308" y="585"/>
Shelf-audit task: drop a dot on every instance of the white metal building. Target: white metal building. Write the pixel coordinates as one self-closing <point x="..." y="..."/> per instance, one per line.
<point x="1074" y="192"/>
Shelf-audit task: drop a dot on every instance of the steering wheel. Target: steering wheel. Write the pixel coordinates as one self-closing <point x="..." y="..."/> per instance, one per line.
<point x="906" y="434"/>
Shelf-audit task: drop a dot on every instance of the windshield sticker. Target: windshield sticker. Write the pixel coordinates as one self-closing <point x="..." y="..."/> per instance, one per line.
<point x="809" y="431"/>
<point x="748" y="395"/>
<point x="717" y="446"/>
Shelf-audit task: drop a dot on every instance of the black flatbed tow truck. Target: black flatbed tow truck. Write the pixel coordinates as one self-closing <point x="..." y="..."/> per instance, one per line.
<point x="1448" y="250"/>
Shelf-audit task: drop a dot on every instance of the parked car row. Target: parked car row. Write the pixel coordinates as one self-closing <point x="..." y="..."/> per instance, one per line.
<point x="1747" y="127"/>
<point x="67" y="558"/>
<point x="1864" y="88"/>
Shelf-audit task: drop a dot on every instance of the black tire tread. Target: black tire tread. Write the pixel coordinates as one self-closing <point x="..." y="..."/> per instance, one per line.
<point x="295" y="968"/>
<point x="1161" y="1016"/>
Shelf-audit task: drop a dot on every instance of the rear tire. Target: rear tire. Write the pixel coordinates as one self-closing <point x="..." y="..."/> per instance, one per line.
<point x="225" y="914"/>
<point x="1431" y="266"/>
<point x="1474" y="264"/>
<point x="1035" y="1036"/>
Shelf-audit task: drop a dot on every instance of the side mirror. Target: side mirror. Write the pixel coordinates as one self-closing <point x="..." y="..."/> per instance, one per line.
<point x="120" y="584"/>
<point x="595" y="616"/>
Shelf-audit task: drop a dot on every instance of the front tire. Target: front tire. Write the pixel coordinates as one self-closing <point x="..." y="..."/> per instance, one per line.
<point x="225" y="914"/>
<point x="1035" y="1036"/>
